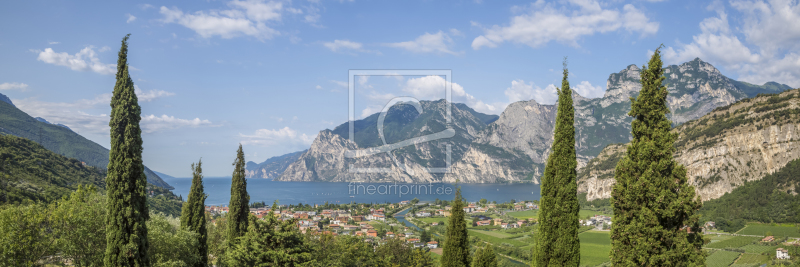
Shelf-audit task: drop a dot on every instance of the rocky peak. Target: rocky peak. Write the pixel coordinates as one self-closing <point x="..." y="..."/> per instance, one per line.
<point x="4" y="98"/>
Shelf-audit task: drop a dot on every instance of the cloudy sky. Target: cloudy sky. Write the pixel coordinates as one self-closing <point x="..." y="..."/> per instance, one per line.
<point x="272" y="74"/>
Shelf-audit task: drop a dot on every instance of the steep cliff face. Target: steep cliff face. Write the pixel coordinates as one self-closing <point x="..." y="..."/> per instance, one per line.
<point x="326" y="161"/>
<point x="516" y="146"/>
<point x="725" y="148"/>
<point x="272" y="167"/>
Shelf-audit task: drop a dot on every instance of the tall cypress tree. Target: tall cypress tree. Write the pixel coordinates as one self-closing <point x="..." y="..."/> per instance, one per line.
<point x="193" y="214"/>
<point x="238" y="209"/>
<point x="654" y="223"/>
<point x="126" y="232"/>
<point x="456" y="248"/>
<point x="557" y="243"/>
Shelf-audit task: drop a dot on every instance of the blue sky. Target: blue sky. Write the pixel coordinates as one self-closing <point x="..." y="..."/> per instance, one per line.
<point x="272" y="74"/>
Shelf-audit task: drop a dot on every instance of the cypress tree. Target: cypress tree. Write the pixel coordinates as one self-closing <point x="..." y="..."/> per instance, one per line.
<point x="126" y="232"/>
<point x="557" y="243"/>
<point x="654" y="223"/>
<point x="456" y="248"/>
<point x="484" y="257"/>
<point x="238" y="209"/>
<point x="193" y="214"/>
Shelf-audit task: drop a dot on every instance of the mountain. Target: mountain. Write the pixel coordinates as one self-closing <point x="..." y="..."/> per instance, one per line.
<point x="516" y="146"/>
<point x="37" y="174"/>
<point x="57" y="124"/>
<point x="163" y="175"/>
<point x="272" y="167"/>
<point x="4" y="98"/>
<point x="325" y="160"/>
<point x="60" y="140"/>
<point x="722" y="150"/>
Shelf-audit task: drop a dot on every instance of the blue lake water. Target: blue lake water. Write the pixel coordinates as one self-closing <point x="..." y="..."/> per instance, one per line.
<point x="400" y="218"/>
<point x="219" y="191"/>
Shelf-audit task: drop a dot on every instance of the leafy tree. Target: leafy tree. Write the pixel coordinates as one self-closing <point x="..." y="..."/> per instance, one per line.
<point x="421" y="258"/>
<point x="425" y="237"/>
<point x="456" y="247"/>
<point x="654" y="220"/>
<point x="484" y="257"/>
<point x="396" y="251"/>
<point x="79" y="223"/>
<point x="24" y="235"/>
<point x="126" y="232"/>
<point x="217" y="240"/>
<point x="169" y="244"/>
<point x="193" y="215"/>
<point x="270" y="242"/>
<point x="238" y="210"/>
<point x="558" y="243"/>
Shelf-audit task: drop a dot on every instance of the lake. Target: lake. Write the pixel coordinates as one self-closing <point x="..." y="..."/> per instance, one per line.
<point x="219" y="191"/>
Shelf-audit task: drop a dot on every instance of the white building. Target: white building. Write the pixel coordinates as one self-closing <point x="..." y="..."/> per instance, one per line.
<point x="782" y="254"/>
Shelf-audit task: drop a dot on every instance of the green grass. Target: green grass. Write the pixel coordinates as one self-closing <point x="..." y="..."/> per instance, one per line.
<point x="753" y="259"/>
<point x="527" y="214"/>
<point x="595" y="247"/>
<point x="721" y="258"/>
<point x="734" y="242"/>
<point x="758" y="249"/>
<point x="497" y="234"/>
<point x="496" y="240"/>
<point x="785" y="230"/>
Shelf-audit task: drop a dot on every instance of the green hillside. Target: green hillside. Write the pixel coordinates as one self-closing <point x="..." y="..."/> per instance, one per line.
<point x="773" y="199"/>
<point x="32" y="173"/>
<point x="60" y="140"/>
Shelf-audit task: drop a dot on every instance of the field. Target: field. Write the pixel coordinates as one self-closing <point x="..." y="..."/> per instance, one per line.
<point x="535" y="214"/>
<point x="497" y="234"/>
<point x="735" y="242"/>
<point x="721" y="258"/>
<point x="777" y="230"/>
<point x="496" y="240"/>
<point x="525" y="214"/>
<point x="595" y="246"/>
<point x="753" y="259"/>
<point x="433" y="219"/>
<point x="758" y="249"/>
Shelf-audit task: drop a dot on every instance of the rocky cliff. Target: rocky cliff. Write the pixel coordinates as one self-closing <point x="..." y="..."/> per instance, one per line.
<point x="723" y="149"/>
<point x="272" y="167"/>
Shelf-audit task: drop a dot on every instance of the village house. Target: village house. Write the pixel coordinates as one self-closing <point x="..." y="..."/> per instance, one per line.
<point x="710" y="224"/>
<point x="484" y="223"/>
<point x="433" y="244"/>
<point x="412" y="240"/>
<point x="389" y="234"/>
<point x="768" y="239"/>
<point x="404" y="202"/>
<point x="418" y="245"/>
<point x="498" y="221"/>
<point x="434" y="223"/>
<point x="782" y="254"/>
<point x="372" y="233"/>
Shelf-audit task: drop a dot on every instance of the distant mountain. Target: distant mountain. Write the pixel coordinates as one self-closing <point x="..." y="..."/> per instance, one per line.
<point x="57" y="124"/>
<point x="163" y="175"/>
<point x="60" y="140"/>
<point x="723" y="150"/>
<point x="4" y="98"/>
<point x="326" y="161"/>
<point x="37" y="174"/>
<point x="516" y="146"/>
<point x="272" y="167"/>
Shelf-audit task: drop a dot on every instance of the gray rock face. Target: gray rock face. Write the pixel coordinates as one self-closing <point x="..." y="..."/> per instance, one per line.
<point x="272" y="167"/>
<point x="515" y="147"/>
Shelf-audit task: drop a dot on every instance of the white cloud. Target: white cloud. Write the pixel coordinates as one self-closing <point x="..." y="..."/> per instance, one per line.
<point x="319" y="87"/>
<point x="77" y="115"/>
<point x="151" y="95"/>
<point x="131" y="18"/>
<point x="340" y="83"/>
<point x="53" y="43"/>
<point x="439" y="42"/>
<point x="11" y="86"/>
<point x="85" y="60"/>
<point x="344" y="46"/>
<point x="768" y="51"/>
<point x="544" y="23"/>
<point x="283" y="136"/>
<point x="245" y="18"/>
<point x="433" y="88"/>
<point x="588" y="90"/>
<point x="521" y="91"/>
<point x="152" y="123"/>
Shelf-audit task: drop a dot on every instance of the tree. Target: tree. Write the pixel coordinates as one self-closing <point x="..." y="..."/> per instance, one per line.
<point x="421" y="258"/>
<point x="126" y="231"/>
<point x="456" y="247"/>
<point x="558" y="243"/>
<point x="424" y="237"/>
<point x="238" y="209"/>
<point x="169" y="244"/>
<point x="270" y="242"/>
<point x="654" y="222"/>
<point x="193" y="214"/>
<point x="24" y="235"/>
<point x="484" y="257"/>
<point x="79" y="223"/>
